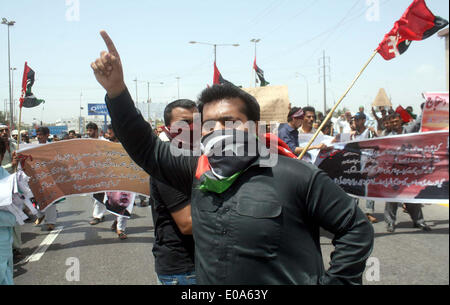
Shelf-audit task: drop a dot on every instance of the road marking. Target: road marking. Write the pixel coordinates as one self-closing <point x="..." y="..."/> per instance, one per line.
<point x="444" y="204"/>
<point x="36" y="256"/>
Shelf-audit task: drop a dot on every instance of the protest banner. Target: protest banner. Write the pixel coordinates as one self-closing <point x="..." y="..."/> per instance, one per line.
<point x="311" y="155"/>
<point x="405" y="168"/>
<point x="435" y="112"/>
<point x="81" y="166"/>
<point x="273" y="101"/>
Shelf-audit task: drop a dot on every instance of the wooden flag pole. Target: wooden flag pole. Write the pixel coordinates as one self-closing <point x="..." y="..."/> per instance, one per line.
<point x="19" y="136"/>
<point x="330" y="114"/>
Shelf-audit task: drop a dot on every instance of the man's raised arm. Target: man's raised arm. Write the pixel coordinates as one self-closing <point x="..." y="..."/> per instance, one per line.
<point x="133" y="131"/>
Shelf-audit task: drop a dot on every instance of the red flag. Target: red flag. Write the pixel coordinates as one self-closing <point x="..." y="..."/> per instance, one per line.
<point x="217" y="75"/>
<point x="218" y="79"/>
<point x="417" y="23"/>
<point x="260" y="74"/>
<point x="28" y="76"/>
<point x="282" y="148"/>
<point x="406" y="117"/>
<point x="27" y="98"/>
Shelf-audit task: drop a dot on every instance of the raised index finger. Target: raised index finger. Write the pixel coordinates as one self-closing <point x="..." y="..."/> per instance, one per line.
<point x="109" y="43"/>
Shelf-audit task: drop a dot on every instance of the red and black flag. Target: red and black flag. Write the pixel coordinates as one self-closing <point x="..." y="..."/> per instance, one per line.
<point x="28" y="100"/>
<point x="218" y="79"/>
<point x="260" y="74"/>
<point x="417" y="23"/>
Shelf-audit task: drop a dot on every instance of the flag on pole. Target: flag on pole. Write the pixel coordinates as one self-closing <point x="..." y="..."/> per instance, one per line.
<point x="218" y="79"/>
<point x="28" y="100"/>
<point x="260" y="74"/>
<point x="417" y="23"/>
<point x="406" y="117"/>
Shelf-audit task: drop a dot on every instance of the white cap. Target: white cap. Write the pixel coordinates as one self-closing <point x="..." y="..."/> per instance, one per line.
<point x="15" y="132"/>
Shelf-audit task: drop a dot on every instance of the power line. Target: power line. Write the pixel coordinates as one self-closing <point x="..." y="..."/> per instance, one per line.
<point x="301" y="12"/>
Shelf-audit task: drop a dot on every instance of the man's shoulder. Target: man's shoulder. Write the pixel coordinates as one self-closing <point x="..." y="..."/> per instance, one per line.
<point x="283" y="127"/>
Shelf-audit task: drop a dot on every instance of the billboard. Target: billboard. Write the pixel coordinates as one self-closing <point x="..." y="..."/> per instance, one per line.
<point x="97" y="109"/>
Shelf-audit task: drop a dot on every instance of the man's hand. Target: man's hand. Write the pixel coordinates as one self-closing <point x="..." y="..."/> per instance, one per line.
<point x="108" y="69"/>
<point x="14" y="160"/>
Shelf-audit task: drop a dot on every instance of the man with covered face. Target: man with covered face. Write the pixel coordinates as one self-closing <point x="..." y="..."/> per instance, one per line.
<point x="252" y="224"/>
<point x="173" y="248"/>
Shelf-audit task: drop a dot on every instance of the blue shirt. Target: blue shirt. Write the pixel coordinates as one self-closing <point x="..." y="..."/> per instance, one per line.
<point x="289" y="135"/>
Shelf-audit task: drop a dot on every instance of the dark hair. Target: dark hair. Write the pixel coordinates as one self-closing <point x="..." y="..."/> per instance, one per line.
<point x="394" y="115"/>
<point x="219" y="92"/>
<point x="2" y="148"/>
<point x="109" y="126"/>
<point x="43" y="130"/>
<point x="92" y="126"/>
<point x="72" y="131"/>
<point x="291" y="113"/>
<point x="184" y="103"/>
<point x="309" y="109"/>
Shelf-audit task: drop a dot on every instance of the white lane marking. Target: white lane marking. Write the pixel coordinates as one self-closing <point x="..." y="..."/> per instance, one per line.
<point x="36" y="256"/>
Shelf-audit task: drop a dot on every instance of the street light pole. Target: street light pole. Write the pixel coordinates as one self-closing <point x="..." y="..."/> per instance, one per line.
<point x="11" y="110"/>
<point x="254" y="40"/>
<point x="148" y="94"/>
<point x="12" y="91"/>
<point x="215" y="46"/>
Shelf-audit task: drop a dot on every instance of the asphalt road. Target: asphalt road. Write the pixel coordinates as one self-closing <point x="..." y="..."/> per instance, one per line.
<point x="78" y="253"/>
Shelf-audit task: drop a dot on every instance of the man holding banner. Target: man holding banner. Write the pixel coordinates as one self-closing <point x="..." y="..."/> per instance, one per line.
<point x="414" y="210"/>
<point x="50" y="213"/>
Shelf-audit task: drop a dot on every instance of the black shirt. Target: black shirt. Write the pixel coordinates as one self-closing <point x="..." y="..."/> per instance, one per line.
<point x="265" y="228"/>
<point x="173" y="251"/>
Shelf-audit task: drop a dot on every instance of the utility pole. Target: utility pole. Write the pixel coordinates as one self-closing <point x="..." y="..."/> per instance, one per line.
<point x="12" y="91"/>
<point x="322" y="69"/>
<point x="11" y="107"/>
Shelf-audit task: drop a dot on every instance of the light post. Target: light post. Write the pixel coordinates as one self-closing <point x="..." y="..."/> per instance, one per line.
<point x="11" y="107"/>
<point x="149" y="100"/>
<point x="12" y="91"/>
<point x="307" y="87"/>
<point x="255" y="41"/>
<point x="215" y="45"/>
<point x="148" y="93"/>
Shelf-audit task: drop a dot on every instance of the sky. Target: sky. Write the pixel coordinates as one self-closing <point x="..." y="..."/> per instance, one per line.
<point x="60" y="38"/>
